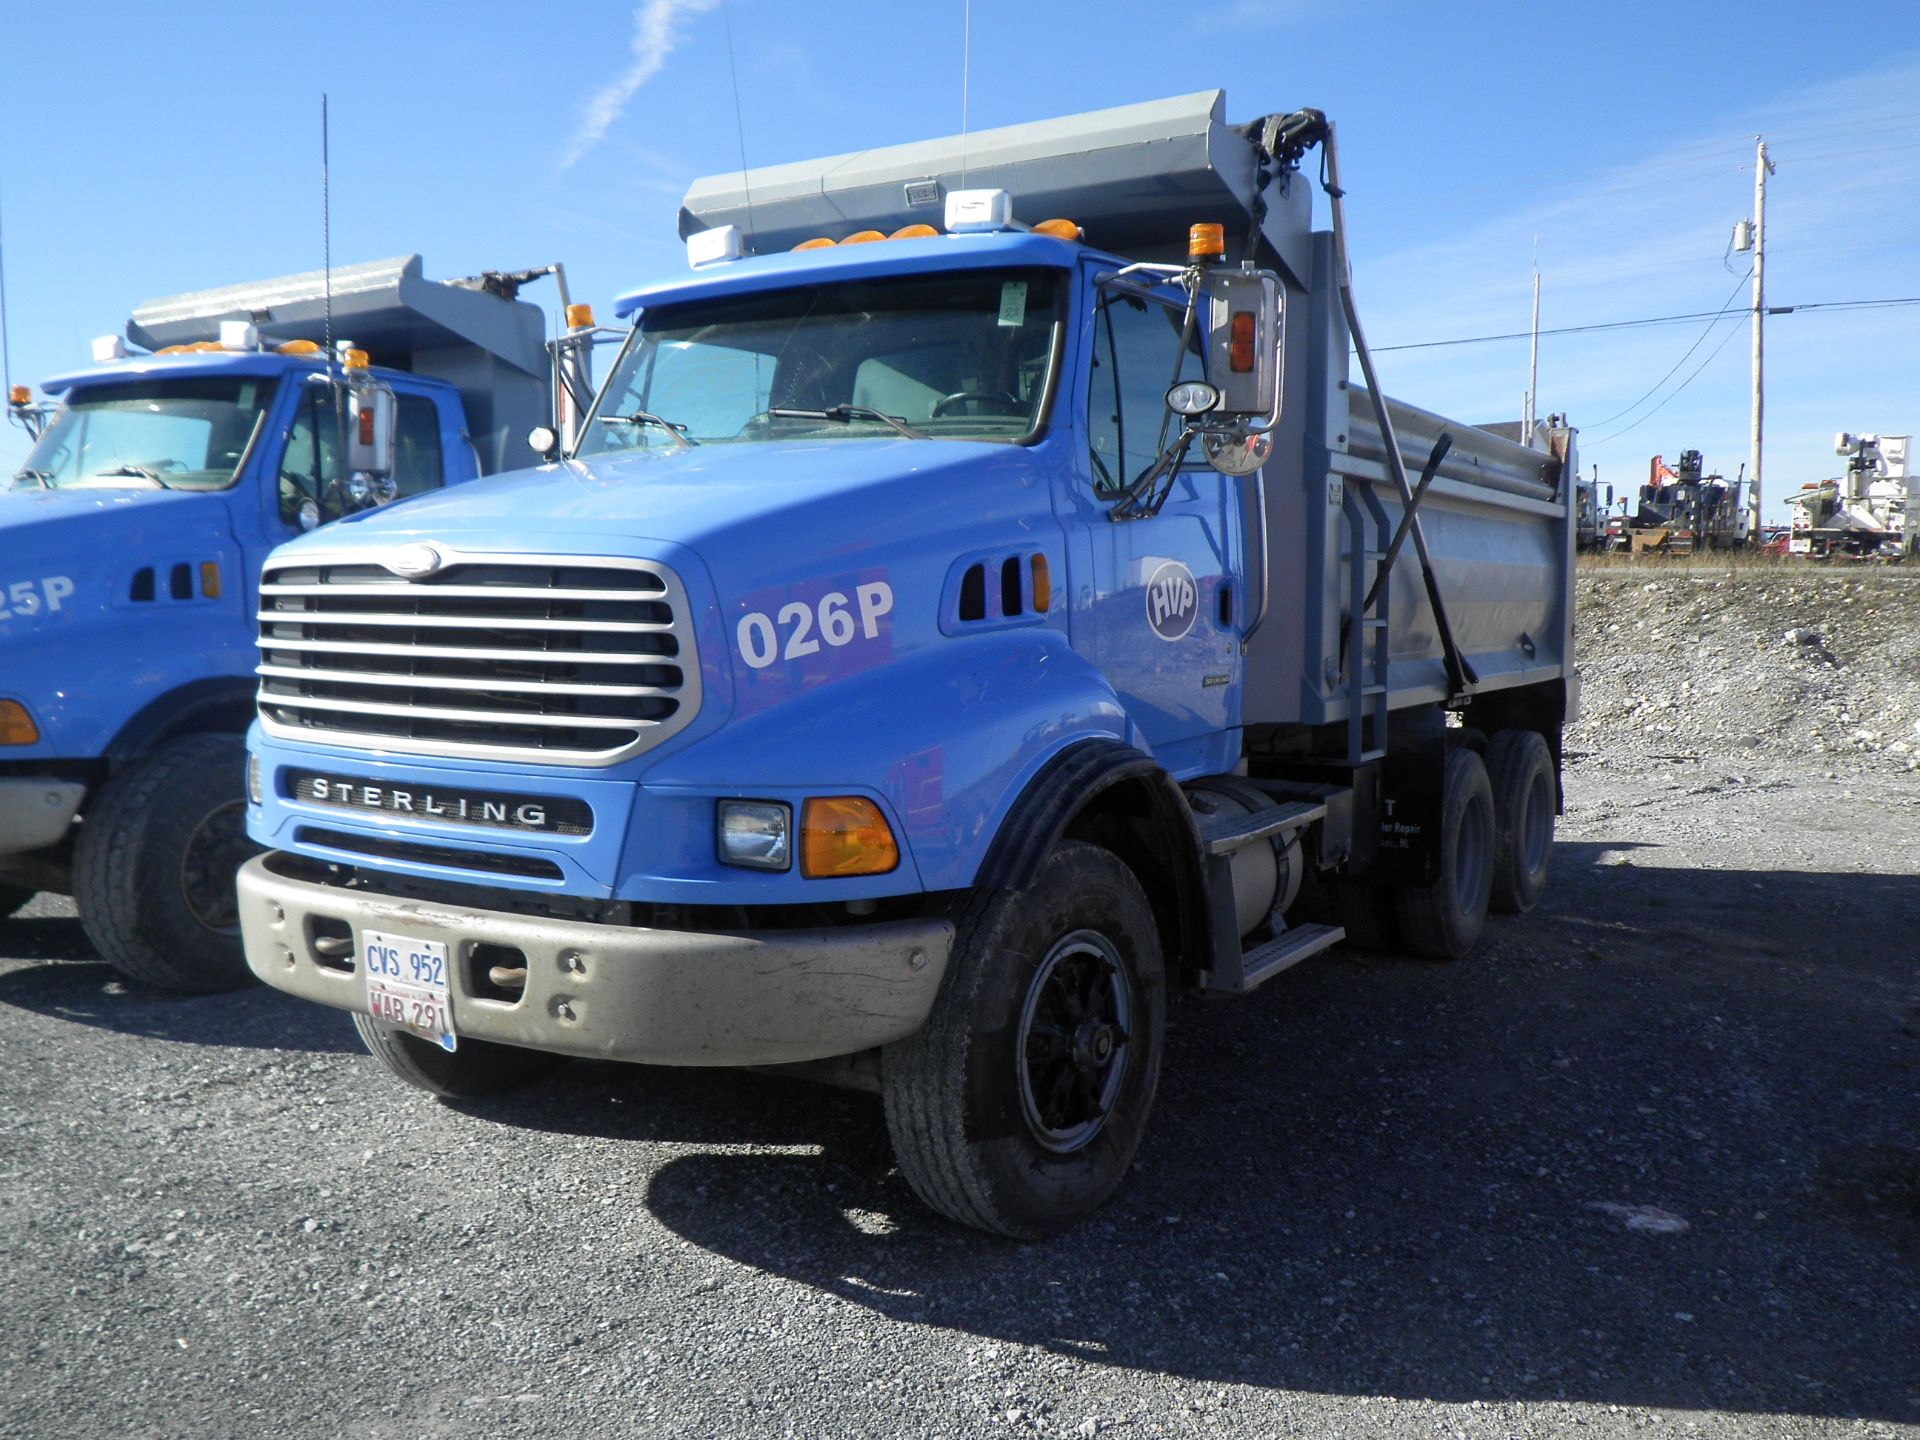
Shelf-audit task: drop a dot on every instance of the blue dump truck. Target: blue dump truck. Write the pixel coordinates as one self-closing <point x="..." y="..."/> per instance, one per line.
<point x="980" y="604"/>
<point x="131" y="542"/>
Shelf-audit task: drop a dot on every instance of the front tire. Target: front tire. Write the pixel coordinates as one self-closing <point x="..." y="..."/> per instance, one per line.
<point x="1520" y="769"/>
<point x="153" y="871"/>
<point x="1442" y="918"/>
<point x="477" y="1068"/>
<point x="1019" y="1105"/>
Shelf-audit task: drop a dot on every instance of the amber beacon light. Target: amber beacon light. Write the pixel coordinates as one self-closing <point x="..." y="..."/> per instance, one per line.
<point x="1206" y="243"/>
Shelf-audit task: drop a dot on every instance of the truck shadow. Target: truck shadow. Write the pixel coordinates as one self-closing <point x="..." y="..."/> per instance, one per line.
<point x="71" y="985"/>
<point x="1388" y="1178"/>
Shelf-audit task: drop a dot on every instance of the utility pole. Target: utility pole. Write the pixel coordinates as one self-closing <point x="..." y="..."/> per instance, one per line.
<point x="1533" y="356"/>
<point x="1762" y="167"/>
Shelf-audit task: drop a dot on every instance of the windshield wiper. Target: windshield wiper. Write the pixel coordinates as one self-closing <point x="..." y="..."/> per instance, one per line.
<point x="647" y="417"/>
<point x="45" y="477"/>
<point x="846" y="414"/>
<point x="141" y="472"/>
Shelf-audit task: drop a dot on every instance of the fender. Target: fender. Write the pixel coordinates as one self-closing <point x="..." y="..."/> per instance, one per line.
<point x="1093" y="786"/>
<point x="946" y="736"/>
<point x="223" y="703"/>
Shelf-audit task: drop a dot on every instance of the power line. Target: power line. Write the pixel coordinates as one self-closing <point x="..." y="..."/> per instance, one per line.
<point x="1652" y="320"/>
<point x="1674" y="392"/>
<point x="1683" y="359"/>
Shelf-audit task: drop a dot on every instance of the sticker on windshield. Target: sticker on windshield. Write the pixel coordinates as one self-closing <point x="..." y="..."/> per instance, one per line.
<point x="1013" y="302"/>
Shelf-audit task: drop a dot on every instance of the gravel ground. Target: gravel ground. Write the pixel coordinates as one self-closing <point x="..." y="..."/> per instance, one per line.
<point x="1647" y="1164"/>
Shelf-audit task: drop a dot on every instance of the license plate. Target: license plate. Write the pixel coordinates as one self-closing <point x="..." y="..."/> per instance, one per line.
<point x="407" y="984"/>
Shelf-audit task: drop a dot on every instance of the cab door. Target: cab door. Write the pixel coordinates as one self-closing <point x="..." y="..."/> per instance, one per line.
<point x="1159" y="608"/>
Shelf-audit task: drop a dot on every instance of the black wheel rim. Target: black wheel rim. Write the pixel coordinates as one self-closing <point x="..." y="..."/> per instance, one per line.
<point x="215" y="851"/>
<point x="1073" y="1043"/>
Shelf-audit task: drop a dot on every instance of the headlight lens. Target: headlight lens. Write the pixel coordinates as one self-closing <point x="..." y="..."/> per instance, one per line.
<point x="756" y="833"/>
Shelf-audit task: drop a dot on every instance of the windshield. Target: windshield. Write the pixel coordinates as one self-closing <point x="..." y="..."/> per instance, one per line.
<point x="189" y="433"/>
<point x="965" y="355"/>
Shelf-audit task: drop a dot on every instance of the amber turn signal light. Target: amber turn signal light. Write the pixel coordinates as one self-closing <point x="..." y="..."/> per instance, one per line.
<point x="845" y="835"/>
<point x="17" y="727"/>
<point x="1240" y="342"/>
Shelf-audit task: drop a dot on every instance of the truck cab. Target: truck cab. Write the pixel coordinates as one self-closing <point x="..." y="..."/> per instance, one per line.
<point x="944" y="642"/>
<point x="134" y="535"/>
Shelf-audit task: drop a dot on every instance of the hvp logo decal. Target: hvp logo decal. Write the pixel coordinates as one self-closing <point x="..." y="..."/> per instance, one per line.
<point x="1172" y="600"/>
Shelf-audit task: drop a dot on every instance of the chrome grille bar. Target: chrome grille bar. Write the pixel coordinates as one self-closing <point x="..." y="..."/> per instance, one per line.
<point x="520" y="689"/>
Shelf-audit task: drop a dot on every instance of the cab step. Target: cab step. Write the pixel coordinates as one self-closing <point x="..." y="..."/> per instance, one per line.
<point x="1265" y="961"/>
<point x="1223" y="834"/>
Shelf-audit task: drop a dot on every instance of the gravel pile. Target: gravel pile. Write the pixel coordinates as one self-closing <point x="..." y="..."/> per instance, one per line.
<point x="1796" y="666"/>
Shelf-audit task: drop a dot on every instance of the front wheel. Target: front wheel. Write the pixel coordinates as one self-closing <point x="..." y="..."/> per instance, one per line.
<point x="477" y="1068"/>
<point x="154" y="867"/>
<point x="1017" y="1108"/>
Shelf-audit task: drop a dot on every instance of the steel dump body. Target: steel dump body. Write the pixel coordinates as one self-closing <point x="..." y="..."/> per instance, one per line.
<point x="1498" y="523"/>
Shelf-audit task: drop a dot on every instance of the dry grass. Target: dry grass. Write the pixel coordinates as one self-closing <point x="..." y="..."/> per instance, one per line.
<point x="1741" y="564"/>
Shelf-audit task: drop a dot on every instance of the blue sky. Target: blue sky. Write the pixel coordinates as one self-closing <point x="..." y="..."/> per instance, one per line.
<point x="153" y="149"/>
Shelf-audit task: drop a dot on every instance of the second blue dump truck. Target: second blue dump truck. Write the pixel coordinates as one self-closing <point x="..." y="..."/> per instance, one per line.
<point x="131" y="542"/>
<point x="981" y="603"/>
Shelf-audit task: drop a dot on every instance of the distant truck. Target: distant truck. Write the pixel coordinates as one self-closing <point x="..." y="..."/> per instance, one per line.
<point x="1870" y="511"/>
<point x="955" y="630"/>
<point x="1684" y="511"/>
<point x="131" y="542"/>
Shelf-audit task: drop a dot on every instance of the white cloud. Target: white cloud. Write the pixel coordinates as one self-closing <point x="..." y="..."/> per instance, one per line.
<point x="656" y="31"/>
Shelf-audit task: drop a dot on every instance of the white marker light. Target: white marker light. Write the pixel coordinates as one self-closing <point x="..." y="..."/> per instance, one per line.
<point x="973" y="211"/>
<point x="108" y="348"/>
<point x="239" y="335"/>
<point x="715" y="246"/>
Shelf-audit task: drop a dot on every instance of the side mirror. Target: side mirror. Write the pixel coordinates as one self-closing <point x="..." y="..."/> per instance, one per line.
<point x="1246" y="332"/>
<point x="544" y="441"/>
<point x="370" y="416"/>
<point x="1246" y="338"/>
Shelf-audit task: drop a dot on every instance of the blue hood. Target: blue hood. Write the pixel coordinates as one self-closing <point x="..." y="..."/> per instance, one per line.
<point x="693" y="495"/>
<point x="104" y="524"/>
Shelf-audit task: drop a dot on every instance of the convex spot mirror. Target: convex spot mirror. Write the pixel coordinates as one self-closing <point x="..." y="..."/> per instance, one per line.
<point x="543" y="441"/>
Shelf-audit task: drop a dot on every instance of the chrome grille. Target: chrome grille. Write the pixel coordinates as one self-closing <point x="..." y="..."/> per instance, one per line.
<point x="561" y="659"/>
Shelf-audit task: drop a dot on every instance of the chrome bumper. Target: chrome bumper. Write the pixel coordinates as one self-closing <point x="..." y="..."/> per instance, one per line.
<point x="611" y="992"/>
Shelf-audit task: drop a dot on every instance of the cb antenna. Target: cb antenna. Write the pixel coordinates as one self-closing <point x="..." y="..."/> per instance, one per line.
<point x="6" y="348"/>
<point x="966" y="58"/>
<point x="739" y="124"/>
<point x="326" y="230"/>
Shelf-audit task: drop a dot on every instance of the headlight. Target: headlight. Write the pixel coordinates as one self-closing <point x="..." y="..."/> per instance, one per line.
<point x="755" y="833"/>
<point x="256" y="792"/>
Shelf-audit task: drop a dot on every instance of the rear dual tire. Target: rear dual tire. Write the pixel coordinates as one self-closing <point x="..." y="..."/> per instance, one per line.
<point x="1525" y="798"/>
<point x="1442" y="918"/>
